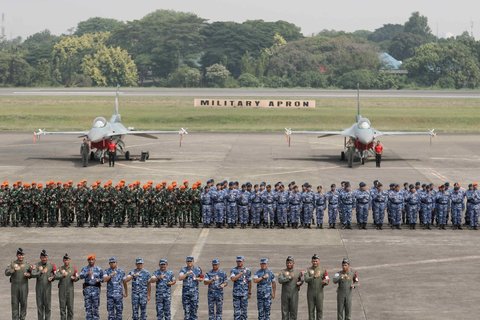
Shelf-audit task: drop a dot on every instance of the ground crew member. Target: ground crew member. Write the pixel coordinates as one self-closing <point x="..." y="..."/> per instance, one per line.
<point x="112" y="150"/>
<point x="19" y="272"/>
<point x="362" y="199"/>
<point x="85" y="152"/>
<point x="333" y="201"/>
<point x="216" y="280"/>
<point x="346" y="280"/>
<point x="93" y="277"/>
<point x="242" y="288"/>
<point x="291" y="280"/>
<point x="243" y="201"/>
<point x="427" y="200"/>
<point x="231" y="197"/>
<point x="66" y="276"/>
<point x="412" y="201"/>
<point x="140" y="289"/>
<point x="218" y="195"/>
<point x="164" y="279"/>
<point x="266" y="287"/>
<point x="268" y="200"/>
<point x="191" y="276"/>
<point x="207" y="206"/>
<point x="44" y="272"/>
<point x="317" y="278"/>
<point x="378" y="153"/>
<point x="308" y="205"/>
<point x="347" y="202"/>
<point x="396" y="201"/>
<point x="320" y="205"/>
<point x="379" y="199"/>
<point x="116" y="289"/>
<point x="457" y="206"/>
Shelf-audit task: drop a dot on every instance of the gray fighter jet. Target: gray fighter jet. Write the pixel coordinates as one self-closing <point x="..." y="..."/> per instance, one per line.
<point x="359" y="139"/>
<point x="103" y="131"/>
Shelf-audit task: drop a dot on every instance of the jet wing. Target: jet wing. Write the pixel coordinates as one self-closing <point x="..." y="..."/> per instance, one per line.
<point x="151" y="133"/>
<point x="42" y="132"/>
<point x="322" y="134"/>
<point x="430" y="133"/>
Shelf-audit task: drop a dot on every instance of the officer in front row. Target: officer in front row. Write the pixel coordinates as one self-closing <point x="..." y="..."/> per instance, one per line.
<point x="164" y="279"/>
<point x="19" y="273"/>
<point x="346" y="280"/>
<point x="66" y="275"/>
<point x="140" y="289"/>
<point x="266" y="287"/>
<point x="44" y="272"/>
<point x="116" y="289"/>
<point x="93" y="277"/>
<point x="317" y="278"/>
<point x="191" y="276"/>
<point x="216" y="280"/>
<point x="242" y="288"/>
<point x="291" y="280"/>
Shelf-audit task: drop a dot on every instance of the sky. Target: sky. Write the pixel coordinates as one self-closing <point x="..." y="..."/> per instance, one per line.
<point x="446" y="18"/>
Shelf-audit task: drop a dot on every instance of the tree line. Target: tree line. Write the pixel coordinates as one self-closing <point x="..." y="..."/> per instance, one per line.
<point x="176" y="49"/>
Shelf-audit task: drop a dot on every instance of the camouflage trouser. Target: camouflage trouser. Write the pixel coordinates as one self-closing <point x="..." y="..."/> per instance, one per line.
<point x="427" y="213"/>
<point x="307" y="213"/>
<point x="457" y="209"/>
<point x="131" y="215"/>
<point x="215" y="306"/>
<point x="442" y="210"/>
<point x="232" y="214"/>
<point x="196" y="214"/>
<point x="268" y="213"/>
<point x="362" y="213"/>
<point x="294" y="213"/>
<point x="52" y="216"/>
<point x="163" y="304"/>
<point x="65" y="215"/>
<point x="118" y="212"/>
<point x="412" y="212"/>
<point x="190" y="305"/>
<point x="332" y="213"/>
<point x="183" y="215"/>
<point x="240" y="307"/>
<point x="139" y="303"/>
<point x="319" y="212"/>
<point x="80" y="211"/>
<point x="256" y="213"/>
<point x="264" y="305"/>
<point x="378" y="212"/>
<point x="92" y="302"/>
<point x="4" y="215"/>
<point x="282" y="213"/>
<point x="219" y="212"/>
<point x="115" y="307"/>
<point x="243" y="214"/>
<point x="207" y="214"/>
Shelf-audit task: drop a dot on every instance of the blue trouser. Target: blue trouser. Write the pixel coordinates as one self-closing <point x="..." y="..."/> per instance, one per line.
<point x="294" y="213"/>
<point x="139" y="303"/>
<point x="92" y="302"/>
<point x="378" y="209"/>
<point x="207" y="213"/>
<point x="307" y="213"/>
<point x="474" y="215"/>
<point x="268" y="213"/>
<point x="457" y="209"/>
<point x="163" y="303"/>
<point x="427" y="213"/>
<point x="346" y="216"/>
<point x="115" y="307"/>
<point x="362" y="212"/>
<point x="332" y="213"/>
<point x="232" y="213"/>
<point x="442" y="213"/>
<point x="215" y="306"/>
<point x="219" y="216"/>
<point x="240" y="306"/>
<point x="396" y="214"/>
<point x="282" y="213"/>
<point x="412" y="211"/>
<point x="190" y="305"/>
<point x="319" y="212"/>
<point x="243" y="214"/>
<point x="264" y="305"/>
<point x="256" y="213"/>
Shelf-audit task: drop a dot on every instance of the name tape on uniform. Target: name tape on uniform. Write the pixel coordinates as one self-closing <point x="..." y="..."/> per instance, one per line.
<point x="231" y="103"/>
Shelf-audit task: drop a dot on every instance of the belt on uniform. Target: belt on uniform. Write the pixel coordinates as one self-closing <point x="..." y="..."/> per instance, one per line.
<point x="363" y="202"/>
<point x="379" y="201"/>
<point x="91" y="285"/>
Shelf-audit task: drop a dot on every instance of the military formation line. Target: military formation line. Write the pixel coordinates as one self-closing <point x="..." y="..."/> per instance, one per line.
<point x="116" y="279"/>
<point x="230" y="205"/>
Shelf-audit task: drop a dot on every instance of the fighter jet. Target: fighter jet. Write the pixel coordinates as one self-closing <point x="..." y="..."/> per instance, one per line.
<point x="359" y="139"/>
<point x="103" y="131"/>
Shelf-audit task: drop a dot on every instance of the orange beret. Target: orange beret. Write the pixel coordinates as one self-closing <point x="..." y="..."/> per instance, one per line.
<point x="91" y="257"/>
<point x="182" y="188"/>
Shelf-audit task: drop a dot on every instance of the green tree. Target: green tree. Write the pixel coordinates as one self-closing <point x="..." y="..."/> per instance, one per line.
<point x="97" y="24"/>
<point x="14" y="70"/>
<point x="418" y="25"/>
<point x="185" y="77"/>
<point x="248" y="80"/>
<point x="216" y="75"/>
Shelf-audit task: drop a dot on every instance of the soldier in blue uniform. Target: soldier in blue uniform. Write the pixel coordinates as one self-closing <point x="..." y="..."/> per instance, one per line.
<point x="308" y="205"/>
<point x="362" y="199"/>
<point x="243" y="201"/>
<point x="207" y="206"/>
<point x="457" y="198"/>
<point x="266" y="287"/>
<point x="320" y="205"/>
<point x="333" y="201"/>
<point x="427" y="200"/>
<point x="379" y="199"/>
<point x="475" y="211"/>
<point x="281" y="199"/>
<point x="216" y="280"/>
<point x="242" y="289"/>
<point x="347" y="200"/>
<point x="219" y="205"/>
<point x="412" y="206"/>
<point x="190" y="275"/>
<point x="93" y="278"/>
<point x="164" y="280"/>
<point x="442" y="200"/>
<point x="268" y="200"/>
<point x="116" y="289"/>
<point x="257" y="206"/>
<point x="295" y="202"/>
<point x="396" y="205"/>
<point x="468" y="196"/>
<point x="232" y="210"/>
<point x="140" y="290"/>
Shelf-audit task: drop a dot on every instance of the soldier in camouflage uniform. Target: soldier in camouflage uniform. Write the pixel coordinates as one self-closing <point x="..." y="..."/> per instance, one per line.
<point x="140" y="289"/>
<point x="118" y="205"/>
<point x="19" y="272"/>
<point x="44" y="272"/>
<point x="266" y="287"/>
<point x="183" y="205"/>
<point x="216" y="280"/>
<point x="191" y="276"/>
<point x="317" y="278"/>
<point x="346" y="280"/>
<point x="170" y="203"/>
<point x="81" y="203"/>
<point x="93" y="278"/>
<point x="64" y="204"/>
<point x="195" y="205"/>
<point x="157" y="200"/>
<point x="130" y="205"/>
<point x="66" y="275"/>
<point x="116" y="289"/>
<point x="4" y="204"/>
<point x="27" y="205"/>
<point x="15" y="202"/>
<point x="242" y="289"/>
<point x="51" y="204"/>
<point x="164" y="280"/>
<point x="93" y="205"/>
<point x="105" y="195"/>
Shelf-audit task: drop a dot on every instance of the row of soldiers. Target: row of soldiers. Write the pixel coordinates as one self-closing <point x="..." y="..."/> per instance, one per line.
<point x="116" y="279"/>
<point x="229" y="204"/>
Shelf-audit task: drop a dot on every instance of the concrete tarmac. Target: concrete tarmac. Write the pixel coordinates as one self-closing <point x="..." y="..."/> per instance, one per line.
<point x="404" y="274"/>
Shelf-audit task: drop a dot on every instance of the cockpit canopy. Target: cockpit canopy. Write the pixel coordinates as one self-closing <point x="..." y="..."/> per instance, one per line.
<point x="364" y="124"/>
<point x="99" y="122"/>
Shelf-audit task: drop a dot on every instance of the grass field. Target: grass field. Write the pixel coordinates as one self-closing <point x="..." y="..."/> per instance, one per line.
<point x="26" y="114"/>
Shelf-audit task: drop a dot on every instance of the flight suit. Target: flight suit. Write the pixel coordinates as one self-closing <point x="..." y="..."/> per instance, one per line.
<point x="314" y="277"/>
<point x="66" y="290"/>
<point x="18" y="288"/>
<point x="289" y="278"/>
<point x="345" y="282"/>
<point x="43" y="288"/>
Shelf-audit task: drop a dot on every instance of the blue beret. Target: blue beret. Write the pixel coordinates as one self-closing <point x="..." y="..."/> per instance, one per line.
<point x="112" y="259"/>
<point x="138" y="260"/>
<point x="240" y="258"/>
<point x="263" y="260"/>
<point x="189" y="259"/>
<point x="215" y="261"/>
